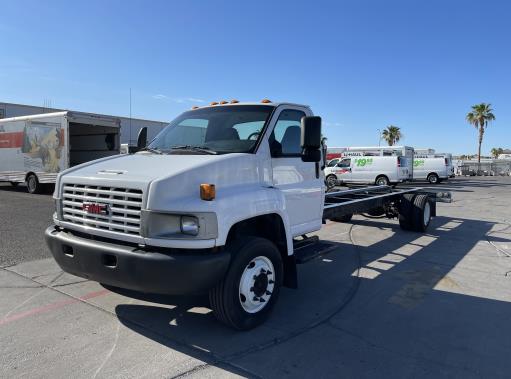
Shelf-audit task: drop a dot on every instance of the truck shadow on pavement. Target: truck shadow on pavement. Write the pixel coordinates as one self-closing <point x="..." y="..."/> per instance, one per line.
<point x="385" y="302"/>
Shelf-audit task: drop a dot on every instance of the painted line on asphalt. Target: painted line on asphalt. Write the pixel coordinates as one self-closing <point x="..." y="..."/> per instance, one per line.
<point x="52" y="306"/>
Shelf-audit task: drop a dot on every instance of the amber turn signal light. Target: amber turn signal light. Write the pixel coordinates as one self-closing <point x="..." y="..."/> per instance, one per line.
<point x="207" y="192"/>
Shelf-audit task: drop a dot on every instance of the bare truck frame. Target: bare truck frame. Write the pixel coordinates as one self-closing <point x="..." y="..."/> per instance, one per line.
<point x="414" y="207"/>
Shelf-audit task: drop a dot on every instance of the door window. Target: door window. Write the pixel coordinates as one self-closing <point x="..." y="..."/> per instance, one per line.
<point x="285" y="138"/>
<point x="345" y="163"/>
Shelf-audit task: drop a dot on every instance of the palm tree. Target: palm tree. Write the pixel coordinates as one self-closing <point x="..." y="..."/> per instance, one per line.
<point x="496" y="151"/>
<point x="480" y="115"/>
<point x="392" y="135"/>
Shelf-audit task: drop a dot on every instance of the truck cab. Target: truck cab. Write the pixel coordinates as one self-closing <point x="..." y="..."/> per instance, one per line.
<point x="212" y="204"/>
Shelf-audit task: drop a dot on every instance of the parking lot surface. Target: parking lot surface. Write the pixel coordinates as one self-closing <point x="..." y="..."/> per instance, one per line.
<point x="383" y="303"/>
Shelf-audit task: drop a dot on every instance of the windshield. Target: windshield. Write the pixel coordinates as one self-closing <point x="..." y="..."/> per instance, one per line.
<point x="225" y="129"/>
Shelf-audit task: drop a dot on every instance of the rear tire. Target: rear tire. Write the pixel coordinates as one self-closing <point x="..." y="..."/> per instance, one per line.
<point x="433" y="179"/>
<point x="421" y="213"/>
<point x="33" y="185"/>
<point x="406" y="211"/>
<point x="244" y="298"/>
<point x="382" y="180"/>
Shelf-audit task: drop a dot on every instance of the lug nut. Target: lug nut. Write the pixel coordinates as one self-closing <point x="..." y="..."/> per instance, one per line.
<point x="268" y="293"/>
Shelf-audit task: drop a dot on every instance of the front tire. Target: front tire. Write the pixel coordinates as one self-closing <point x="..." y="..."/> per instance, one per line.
<point x="331" y="181"/>
<point x="382" y="181"/>
<point x="433" y="179"/>
<point x="247" y="294"/>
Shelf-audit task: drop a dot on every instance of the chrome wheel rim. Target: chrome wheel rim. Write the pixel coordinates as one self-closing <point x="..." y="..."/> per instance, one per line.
<point x="381" y="182"/>
<point x="256" y="284"/>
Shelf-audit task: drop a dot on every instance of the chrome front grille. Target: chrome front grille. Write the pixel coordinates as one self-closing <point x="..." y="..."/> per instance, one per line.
<point x="124" y="205"/>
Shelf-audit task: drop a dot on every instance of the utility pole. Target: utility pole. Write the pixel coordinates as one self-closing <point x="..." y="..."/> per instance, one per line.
<point x="379" y="136"/>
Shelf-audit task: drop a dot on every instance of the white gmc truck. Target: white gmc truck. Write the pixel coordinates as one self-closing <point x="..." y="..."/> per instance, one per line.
<point x="221" y="201"/>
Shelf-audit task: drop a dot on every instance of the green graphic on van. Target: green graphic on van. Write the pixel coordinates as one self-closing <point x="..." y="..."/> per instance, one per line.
<point x="418" y="162"/>
<point x="363" y="162"/>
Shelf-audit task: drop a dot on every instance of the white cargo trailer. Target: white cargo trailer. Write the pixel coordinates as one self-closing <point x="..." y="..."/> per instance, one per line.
<point x="34" y="149"/>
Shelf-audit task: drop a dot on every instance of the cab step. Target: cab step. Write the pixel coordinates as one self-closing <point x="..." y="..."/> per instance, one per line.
<point x="308" y="248"/>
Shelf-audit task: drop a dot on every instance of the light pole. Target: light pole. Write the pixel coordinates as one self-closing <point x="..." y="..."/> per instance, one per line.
<point x="379" y="136"/>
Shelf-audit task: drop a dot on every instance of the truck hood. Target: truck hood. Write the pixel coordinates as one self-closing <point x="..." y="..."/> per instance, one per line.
<point x="172" y="176"/>
<point x="142" y="167"/>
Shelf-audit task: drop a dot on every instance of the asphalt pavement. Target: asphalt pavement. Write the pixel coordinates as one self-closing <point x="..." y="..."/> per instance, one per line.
<point x="384" y="303"/>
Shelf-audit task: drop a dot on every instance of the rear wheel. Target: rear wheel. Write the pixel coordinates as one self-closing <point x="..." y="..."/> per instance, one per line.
<point x="250" y="288"/>
<point x="33" y="185"/>
<point x="433" y="179"/>
<point x="406" y="211"/>
<point x="421" y="213"/>
<point x="382" y="181"/>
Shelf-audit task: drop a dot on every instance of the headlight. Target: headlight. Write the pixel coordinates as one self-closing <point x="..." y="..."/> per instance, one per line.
<point x="201" y="225"/>
<point x="190" y="225"/>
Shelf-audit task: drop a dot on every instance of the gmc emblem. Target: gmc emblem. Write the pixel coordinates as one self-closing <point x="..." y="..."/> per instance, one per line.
<point x="94" y="208"/>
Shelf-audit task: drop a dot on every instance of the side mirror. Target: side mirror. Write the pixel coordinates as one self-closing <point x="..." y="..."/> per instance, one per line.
<point x="311" y="139"/>
<point x="142" y="138"/>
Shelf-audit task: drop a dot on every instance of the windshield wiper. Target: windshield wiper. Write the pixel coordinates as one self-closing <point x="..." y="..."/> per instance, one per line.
<point x="201" y="149"/>
<point x="152" y="150"/>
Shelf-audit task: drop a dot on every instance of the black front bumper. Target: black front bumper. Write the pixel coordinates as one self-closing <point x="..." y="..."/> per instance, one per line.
<point x="172" y="271"/>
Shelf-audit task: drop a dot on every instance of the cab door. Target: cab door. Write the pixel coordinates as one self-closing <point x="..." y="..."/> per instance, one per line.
<point x="300" y="182"/>
<point x="344" y="171"/>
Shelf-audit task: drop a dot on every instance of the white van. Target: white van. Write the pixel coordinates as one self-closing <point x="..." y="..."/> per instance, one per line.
<point x="34" y="149"/>
<point x="433" y="167"/>
<point x="372" y="165"/>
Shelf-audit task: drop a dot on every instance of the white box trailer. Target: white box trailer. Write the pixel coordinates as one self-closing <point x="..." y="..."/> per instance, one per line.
<point x="433" y="167"/>
<point x="34" y="149"/>
<point x="381" y="165"/>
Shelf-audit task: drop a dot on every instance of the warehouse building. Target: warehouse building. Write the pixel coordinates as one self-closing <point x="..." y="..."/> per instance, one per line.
<point x="129" y="127"/>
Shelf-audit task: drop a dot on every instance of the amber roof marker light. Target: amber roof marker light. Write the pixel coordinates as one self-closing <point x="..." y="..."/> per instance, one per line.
<point x="213" y="103"/>
<point x="223" y="102"/>
<point x="195" y="107"/>
<point x="234" y="101"/>
<point x="266" y="101"/>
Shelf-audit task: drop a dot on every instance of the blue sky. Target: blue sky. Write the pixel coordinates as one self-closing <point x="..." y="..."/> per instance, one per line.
<point x="361" y="65"/>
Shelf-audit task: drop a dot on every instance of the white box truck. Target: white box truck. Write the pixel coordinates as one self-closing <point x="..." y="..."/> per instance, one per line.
<point x="381" y="165"/>
<point x="225" y="211"/>
<point x="432" y="167"/>
<point x="34" y="149"/>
